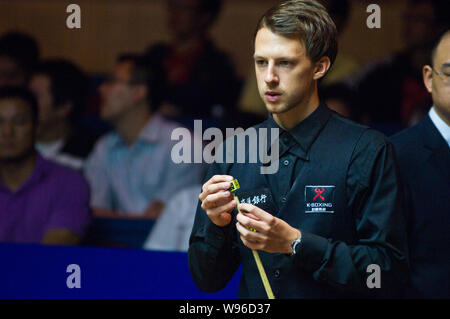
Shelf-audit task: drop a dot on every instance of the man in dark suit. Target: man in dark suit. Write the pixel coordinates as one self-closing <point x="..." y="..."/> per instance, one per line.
<point x="424" y="158"/>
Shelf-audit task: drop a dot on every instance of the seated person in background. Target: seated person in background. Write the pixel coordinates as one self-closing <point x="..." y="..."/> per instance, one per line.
<point x="345" y="66"/>
<point x="200" y="79"/>
<point x="130" y="170"/>
<point x="19" y="54"/>
<point x="172" y="229"/>
<point x="61" y="89"/>
<point x="340" y="98"/>
<point x="391" y="93"/>
<point x="40" y="201"/>
<point x="424" y="159"/>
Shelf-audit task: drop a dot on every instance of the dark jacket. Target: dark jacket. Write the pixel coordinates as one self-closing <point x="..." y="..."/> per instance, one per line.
<point x="360" y="222"/>
<point x="424" y="159"/>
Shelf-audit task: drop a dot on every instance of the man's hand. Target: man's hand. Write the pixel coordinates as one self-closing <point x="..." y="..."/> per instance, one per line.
<point x="217" y="200"/>
<point x="105" y="213"/>
<point x="271" y="234"/>
<point x="60" y="236"/>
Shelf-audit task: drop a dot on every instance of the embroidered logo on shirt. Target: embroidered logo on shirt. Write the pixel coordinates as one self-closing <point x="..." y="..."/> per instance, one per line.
<point x="258" y="197"/>
<point x="319" y="199"/>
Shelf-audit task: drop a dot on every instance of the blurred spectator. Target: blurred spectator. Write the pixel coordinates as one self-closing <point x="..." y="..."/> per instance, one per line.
<point x="130" y="171"/>
<point x="61" y="89"/>
<point x="392" y="93"/>
<point x="40" y="201"/>
<point x="200" y="79"/>
<point x="172" y="229"/>
<point x="19" y="54"/>
<point x="250" y="101"/>
<point x="345" y="66"/>
<point x="424" y="159"/>
<point x="341" y="99"/>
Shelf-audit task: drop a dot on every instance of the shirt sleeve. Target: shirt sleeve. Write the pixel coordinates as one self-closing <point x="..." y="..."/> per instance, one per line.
<point x="98" y="178"/>
<point x="178" y="176"/>
<point x="172" y="229"/>
<point x="70" y="208"/>
<point x="375" y="198"/>
<point x="213" y="255"/>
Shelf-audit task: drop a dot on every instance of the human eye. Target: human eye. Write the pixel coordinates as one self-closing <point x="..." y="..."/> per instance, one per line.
<point x="444" y="69"/>
<point x="261" y="62"/>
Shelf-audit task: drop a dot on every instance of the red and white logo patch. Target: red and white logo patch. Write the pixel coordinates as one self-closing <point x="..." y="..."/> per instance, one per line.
<point x="319" y="199"/>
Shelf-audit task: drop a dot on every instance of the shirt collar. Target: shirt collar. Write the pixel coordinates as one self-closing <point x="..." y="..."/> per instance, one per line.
<point x="441" y="126"/>
<point x="150" y="133"/>
<point x="50" y="149"/>
<point x="304" y="133"/>
<point x="40" y="169"/>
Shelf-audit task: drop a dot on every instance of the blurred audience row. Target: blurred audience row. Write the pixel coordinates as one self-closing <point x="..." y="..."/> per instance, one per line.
<point x="71" y="150"/>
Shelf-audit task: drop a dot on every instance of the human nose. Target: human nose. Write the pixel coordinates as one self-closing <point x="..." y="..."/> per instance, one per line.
<point x="104" y="87"/>
<point x="271" y="75"/>
<point x="7" y="129"/>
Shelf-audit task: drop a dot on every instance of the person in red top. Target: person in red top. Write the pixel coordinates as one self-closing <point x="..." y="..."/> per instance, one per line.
<point x="200" y="79"/>
<point x="391" y="93"/>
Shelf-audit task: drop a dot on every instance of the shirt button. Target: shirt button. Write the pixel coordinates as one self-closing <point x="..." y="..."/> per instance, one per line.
<point x="277" y="273"/>
<point x="286" y="163"/>
<point x="283" y="199"/>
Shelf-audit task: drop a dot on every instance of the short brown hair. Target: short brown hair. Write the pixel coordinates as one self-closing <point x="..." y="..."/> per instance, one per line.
<point x="309" y="21"/>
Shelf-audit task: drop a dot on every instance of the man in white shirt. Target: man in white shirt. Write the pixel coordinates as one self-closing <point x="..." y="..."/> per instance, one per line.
<point x="172" y="229"/>
<point x="424" y="158"/>
<point x="130" y="170"/>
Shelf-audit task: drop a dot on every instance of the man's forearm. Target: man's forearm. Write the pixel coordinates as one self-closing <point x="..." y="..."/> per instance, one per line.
<point x="60" y="237"/>
<point x="211" y="259"/>
<point x="345" y="266"/>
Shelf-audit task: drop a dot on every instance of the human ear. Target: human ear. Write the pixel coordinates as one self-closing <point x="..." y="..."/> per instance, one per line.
<point x="65" y="109"/>
<point x="427" y="73"/>
<point x="321" y="67"/>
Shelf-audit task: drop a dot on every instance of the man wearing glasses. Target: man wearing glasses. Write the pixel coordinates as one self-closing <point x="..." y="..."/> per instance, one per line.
<point x="130" y="170"/>
<point x="424" y="158"/>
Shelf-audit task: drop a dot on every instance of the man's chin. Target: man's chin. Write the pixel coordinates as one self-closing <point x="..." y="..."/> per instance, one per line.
<point x="112" y="116"/>
<point x="16" y="156"/>
<point x="109" y="118"/>
<point x="276" y="108"/>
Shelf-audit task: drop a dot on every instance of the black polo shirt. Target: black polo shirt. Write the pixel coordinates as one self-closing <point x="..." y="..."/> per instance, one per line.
<point x="338" y="183"/>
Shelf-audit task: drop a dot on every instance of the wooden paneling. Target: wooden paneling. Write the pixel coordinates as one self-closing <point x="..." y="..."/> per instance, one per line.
<point x="113" y="26"/>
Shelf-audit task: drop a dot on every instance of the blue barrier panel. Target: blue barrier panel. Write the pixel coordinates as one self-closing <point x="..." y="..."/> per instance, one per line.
<point x="38" y="271"/>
